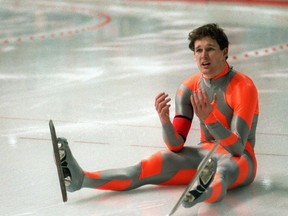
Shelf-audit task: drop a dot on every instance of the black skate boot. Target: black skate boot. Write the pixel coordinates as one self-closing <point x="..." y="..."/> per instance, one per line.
<point x="205" y="179"/>
<point x="73" y="174"/>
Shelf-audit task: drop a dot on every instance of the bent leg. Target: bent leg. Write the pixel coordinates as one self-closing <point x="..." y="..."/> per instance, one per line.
<point x="232" y="172"/>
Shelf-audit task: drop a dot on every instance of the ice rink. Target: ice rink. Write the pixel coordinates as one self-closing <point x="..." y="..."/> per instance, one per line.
<point x="95" y="67"/>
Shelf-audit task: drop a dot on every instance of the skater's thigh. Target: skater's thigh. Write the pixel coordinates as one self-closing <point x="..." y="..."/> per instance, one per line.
<point x="187" y="158"/>
<point x="237" y="171"/>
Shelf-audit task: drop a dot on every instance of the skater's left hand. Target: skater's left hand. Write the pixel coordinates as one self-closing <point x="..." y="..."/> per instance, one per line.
<point x="201" y="104"/>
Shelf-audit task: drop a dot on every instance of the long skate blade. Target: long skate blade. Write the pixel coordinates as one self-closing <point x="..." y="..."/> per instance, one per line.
<point x="58" y="161"/>
<point x="196" y="176"/>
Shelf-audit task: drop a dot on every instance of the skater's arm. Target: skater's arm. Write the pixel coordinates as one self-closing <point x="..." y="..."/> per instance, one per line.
<point x="233" y="137"/>
<point x="174" y="134"/>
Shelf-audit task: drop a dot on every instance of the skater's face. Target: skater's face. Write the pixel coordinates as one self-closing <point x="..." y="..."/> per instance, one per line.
<point x="209" y="57"/>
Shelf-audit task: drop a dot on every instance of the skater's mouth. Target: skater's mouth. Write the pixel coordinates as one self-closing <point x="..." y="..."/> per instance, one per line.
<point x="205" y="63"/>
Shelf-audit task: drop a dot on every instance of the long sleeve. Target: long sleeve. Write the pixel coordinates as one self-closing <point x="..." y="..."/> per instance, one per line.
<point x="175" y="134"/>
<point x="243" y="99"/>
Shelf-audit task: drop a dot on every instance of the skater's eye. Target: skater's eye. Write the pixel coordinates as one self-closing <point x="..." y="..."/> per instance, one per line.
<point x="199" y="50"/>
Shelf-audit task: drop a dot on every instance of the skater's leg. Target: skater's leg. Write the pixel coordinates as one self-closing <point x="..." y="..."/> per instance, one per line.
<point x="205" y="178"/>
<point x="231" y="172"/>
<point x="162" y="168"/>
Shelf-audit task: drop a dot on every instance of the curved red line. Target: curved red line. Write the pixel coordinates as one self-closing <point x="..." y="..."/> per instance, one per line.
<point x="255" y="2"/>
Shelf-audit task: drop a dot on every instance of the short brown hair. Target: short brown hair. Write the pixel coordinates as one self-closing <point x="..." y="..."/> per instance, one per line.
<point x="209" y="30"/>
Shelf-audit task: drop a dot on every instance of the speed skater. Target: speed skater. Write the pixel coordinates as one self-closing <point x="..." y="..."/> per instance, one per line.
<point x="226" y="103"/>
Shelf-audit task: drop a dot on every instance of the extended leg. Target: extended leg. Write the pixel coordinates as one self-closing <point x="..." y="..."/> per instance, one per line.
<point x="162" y="168"/>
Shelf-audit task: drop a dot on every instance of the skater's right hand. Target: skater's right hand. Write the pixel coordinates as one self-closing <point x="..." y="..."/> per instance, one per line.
<point x="162" y="107"/>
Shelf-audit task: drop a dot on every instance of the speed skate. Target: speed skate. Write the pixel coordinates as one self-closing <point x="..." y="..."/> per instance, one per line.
<point x="58" y="161"/>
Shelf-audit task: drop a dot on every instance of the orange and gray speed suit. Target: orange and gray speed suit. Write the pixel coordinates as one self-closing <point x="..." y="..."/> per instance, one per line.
<point x="232" y="122"/>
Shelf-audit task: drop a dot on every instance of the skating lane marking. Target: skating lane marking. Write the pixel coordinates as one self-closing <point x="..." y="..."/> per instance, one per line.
<point x="266" y="51"/>
<point x="106" y="19"/>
